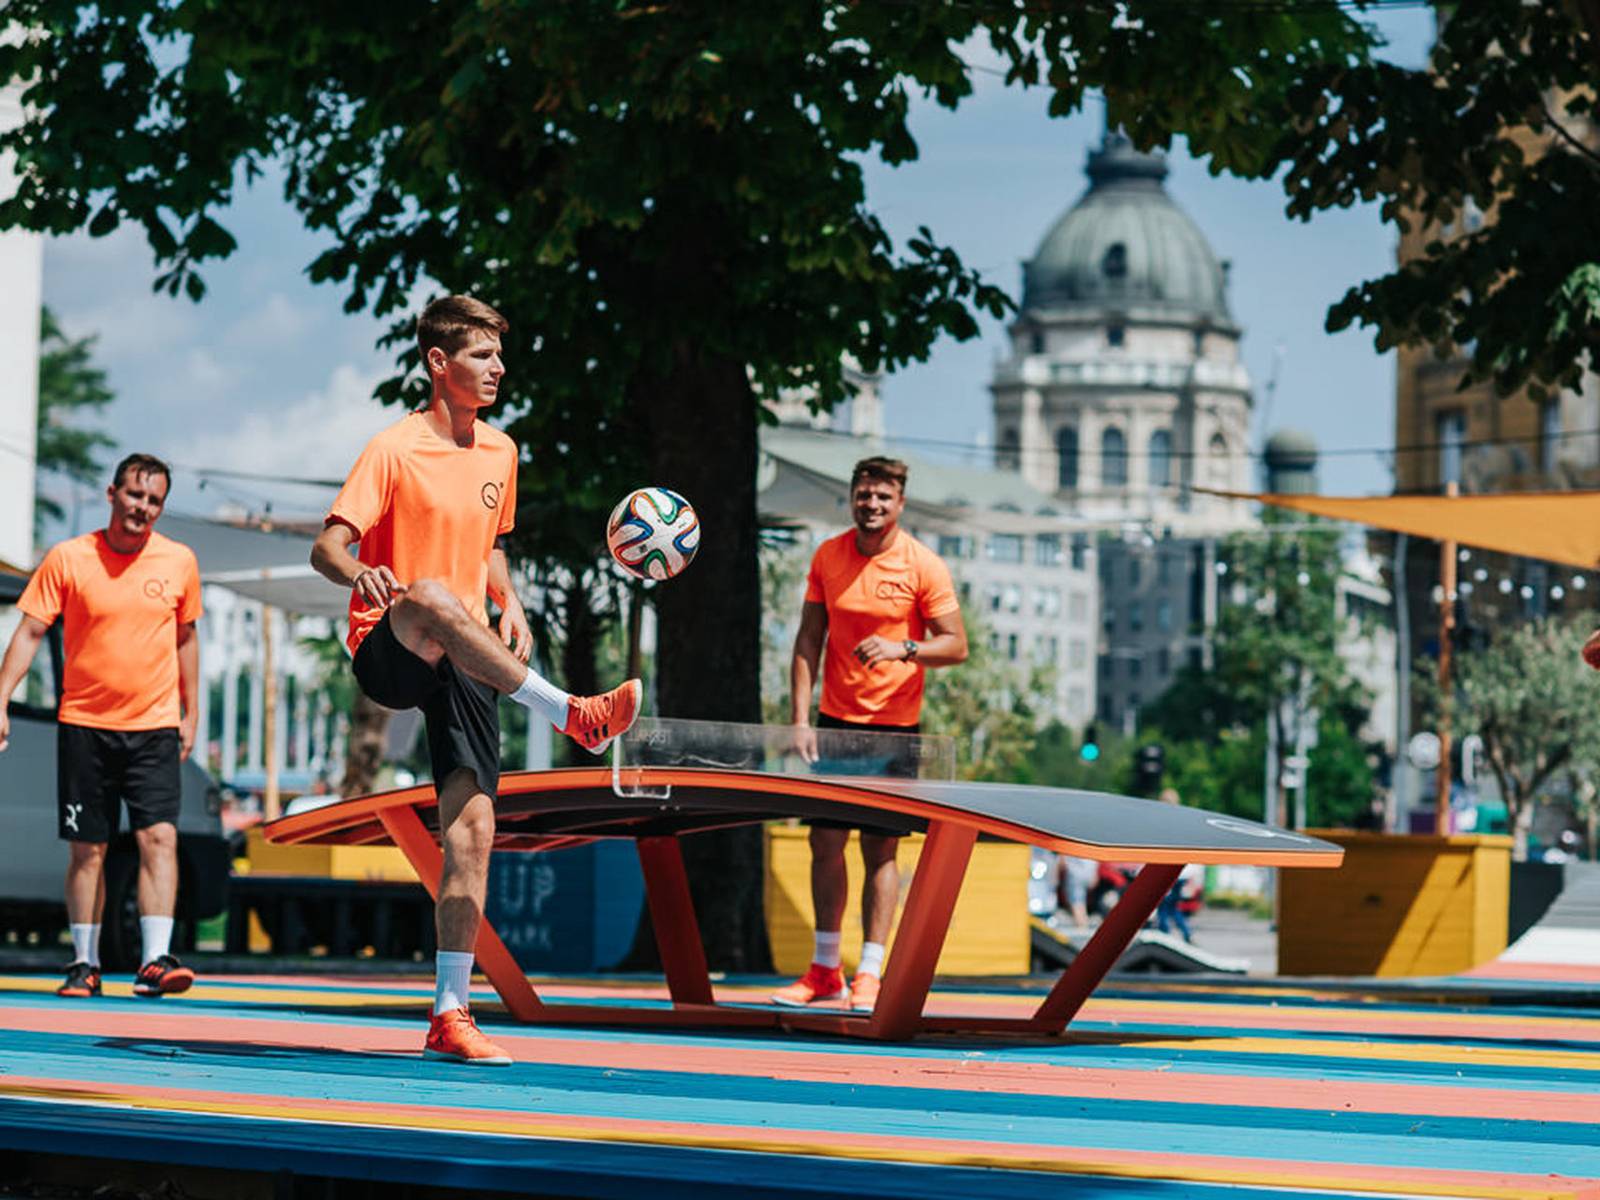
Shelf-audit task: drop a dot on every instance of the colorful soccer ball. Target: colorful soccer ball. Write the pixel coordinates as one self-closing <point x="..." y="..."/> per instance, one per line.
<point x="653" y="533"/>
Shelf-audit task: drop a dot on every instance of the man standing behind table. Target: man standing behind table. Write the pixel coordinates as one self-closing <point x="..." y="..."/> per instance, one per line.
<point x="883" y="606"/>
<point x="128" y="599"/>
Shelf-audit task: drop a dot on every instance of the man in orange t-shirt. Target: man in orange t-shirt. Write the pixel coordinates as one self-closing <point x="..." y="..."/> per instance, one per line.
<point x="881" y="606"/>
<point x="128" y="599"/>
<point x="428" y="501"/>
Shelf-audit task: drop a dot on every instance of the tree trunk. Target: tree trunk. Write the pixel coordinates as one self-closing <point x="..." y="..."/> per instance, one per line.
<point x="363" y="755"/>
<point x="701" y="429"/>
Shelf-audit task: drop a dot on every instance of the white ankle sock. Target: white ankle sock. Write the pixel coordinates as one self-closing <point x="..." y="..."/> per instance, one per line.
<point x="827" y="949"/>
<point x="86" y="944"/>
<point x="156" y="933"/>
<point x="543" y="697"/>
<point x="452" y="985"/>
<point x="871" y="959"/>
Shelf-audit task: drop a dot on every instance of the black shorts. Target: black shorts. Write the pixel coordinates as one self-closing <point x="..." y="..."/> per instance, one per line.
<point x="97" y="770"/>
<point x="462" y="716"/>
<point x="903" y="767"/>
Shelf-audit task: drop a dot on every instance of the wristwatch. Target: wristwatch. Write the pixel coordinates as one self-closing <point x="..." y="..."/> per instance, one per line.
<point x="911" y="650"/>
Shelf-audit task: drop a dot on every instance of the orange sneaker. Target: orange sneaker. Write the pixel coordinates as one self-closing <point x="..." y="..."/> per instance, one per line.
<point x="593" y="721"/>
<point x="453" y="1035"/>
<point x="864" y="992"/>
<point x="817" y="985"/>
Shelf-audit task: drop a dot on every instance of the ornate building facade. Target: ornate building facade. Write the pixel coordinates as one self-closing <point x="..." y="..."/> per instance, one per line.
<point x="1123" y="391"/>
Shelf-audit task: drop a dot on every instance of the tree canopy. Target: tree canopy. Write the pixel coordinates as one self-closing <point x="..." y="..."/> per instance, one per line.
<point x="1493" y="155"/>
<point x="71" y="387"/>
<point x="1531" y="700"/>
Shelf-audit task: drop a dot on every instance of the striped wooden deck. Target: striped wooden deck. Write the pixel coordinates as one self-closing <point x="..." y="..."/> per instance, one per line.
<point x="1161" y="1089"/>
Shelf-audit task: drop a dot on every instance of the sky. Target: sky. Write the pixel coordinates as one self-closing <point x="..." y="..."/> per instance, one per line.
<point x="269" y="375"/>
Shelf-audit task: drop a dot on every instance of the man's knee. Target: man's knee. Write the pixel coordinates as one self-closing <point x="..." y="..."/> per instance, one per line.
<point x="876" y="850"/>
<point x="428" y="601"/>
<point x="828" y="843"/>
<point x="160" y="838"/>
<point x="86" y="855"/>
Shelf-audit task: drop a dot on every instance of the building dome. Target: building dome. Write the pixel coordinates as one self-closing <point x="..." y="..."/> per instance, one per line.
<point x="1125" y="244"/>
<point x="1291" y="461"/>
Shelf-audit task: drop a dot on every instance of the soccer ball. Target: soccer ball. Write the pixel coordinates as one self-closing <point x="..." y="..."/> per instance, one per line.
<point x="653" y="533"/>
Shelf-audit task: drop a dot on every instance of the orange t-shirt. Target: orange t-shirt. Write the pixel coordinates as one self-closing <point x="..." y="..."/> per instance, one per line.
<point x="119" y="620"/>
<point x="892" y="594"/>
<point x="429" y="509"/>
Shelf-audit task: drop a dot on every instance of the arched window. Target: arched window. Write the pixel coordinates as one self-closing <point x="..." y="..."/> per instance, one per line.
<point x="1067" y="457"/>
<point x="1220" y="467"/>
<point x="1113" y="458"/>
<point x="1008" y="456"/>
<point x="1115" y="263"/>
<point x="1160" y="458"/>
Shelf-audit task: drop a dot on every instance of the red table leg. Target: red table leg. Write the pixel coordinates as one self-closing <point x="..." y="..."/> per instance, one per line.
<point x="683" y="952"/>
<point x="408" y="832"/>
<point x="1106" y="946"/>
<point x="926" y="920"/>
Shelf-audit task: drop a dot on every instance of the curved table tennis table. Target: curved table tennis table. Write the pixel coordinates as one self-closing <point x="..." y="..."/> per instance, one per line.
<point x="543" y="811"/>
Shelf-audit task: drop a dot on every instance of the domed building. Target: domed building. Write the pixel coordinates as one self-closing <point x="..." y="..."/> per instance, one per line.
<point x="1123" y="387"/>
<point x="1122" y="392"/>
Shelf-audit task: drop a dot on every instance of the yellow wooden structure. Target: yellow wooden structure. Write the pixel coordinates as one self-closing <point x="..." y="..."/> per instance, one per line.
<point x="1400" y="905"/>
<point x="326" y="862"/>
<point x="989" y="932"/>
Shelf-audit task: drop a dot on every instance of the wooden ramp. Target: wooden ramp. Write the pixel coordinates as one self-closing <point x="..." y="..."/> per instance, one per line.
<point x="1188" y="1089"/>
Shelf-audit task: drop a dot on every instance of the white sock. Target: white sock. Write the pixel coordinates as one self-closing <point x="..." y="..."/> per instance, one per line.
<point x="86" y="944"/>
<point x="543" y="697"/>
<point x="452" y="984"/>
<point x="156" y="932"/>
<point x="827" y="950"/>
<point x="871" y="959"/>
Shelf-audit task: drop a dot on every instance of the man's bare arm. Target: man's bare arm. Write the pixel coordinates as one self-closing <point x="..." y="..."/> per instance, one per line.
<point x="944" y="644"/>
<point x="331" y="557"/>
<point x="807" y="656"/>
<point x="514" y="631"/>
<point x="19" y="657"/>
<point x="188" y="685"/>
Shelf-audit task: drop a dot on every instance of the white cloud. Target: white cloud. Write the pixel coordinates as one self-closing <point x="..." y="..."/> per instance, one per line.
<point x="204" y="375"/>
<point x="276" y="321"/>
<point x="315" y="437"/>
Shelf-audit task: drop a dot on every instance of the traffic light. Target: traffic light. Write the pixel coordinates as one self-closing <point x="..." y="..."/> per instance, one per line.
<point x="1148" y="765"/>
<point x="1089" y="750"/>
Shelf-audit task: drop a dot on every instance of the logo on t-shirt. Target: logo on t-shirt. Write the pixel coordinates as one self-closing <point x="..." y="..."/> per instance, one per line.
<point x="156" y="589"/>
<point x="895" y="590"/>
<point x="491" y="495"/>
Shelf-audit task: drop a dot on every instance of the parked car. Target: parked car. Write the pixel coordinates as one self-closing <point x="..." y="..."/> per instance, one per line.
<point x="33" y="861"/>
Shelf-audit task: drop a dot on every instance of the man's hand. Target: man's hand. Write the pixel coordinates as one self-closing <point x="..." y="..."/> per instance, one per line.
<point x="515" y="634"/>
<point x="804" y="742"/>
<point x="5" y="727"/>
<point x="1591" y="650"/>
<point x="877" y="649"/>
<point x="186" y="731"/>
<point x="378" y="586"/>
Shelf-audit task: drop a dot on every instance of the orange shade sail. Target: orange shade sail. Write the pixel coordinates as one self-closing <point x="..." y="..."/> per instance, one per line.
<point x="1559" y="527"/>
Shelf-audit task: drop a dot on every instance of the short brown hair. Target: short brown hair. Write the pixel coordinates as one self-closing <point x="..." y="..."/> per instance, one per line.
<point x="890" y="470"/>
<point x="141" y="464"/>
<point x="449" y="321"/>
